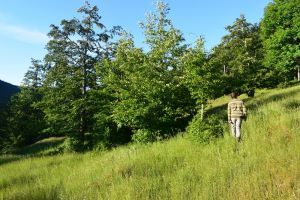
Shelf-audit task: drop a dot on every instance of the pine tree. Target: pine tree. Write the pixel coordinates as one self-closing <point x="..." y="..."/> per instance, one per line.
<point x="74" y="49"/>
<point x="24" y="119"/>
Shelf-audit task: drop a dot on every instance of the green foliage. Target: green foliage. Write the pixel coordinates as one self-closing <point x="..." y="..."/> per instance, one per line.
<point x="124" y="80"/>
<point x="239" y="56"/>
<point x="4" y="141"/>
<point x="149" y="93"/>
<point x="35" y="76"/>
<point x="205" y="130"/>
<point x="176" y="168"/>
<point x="25" y="122"/>
<point x="72" y="144"/>
<point x="280" y="33"/>
<point x="7" y="91"/>
<point x="146" y="136"/>
<point x="101" y="92"/>
<point x="71" y="85"/>
<point x="201" y="78"/>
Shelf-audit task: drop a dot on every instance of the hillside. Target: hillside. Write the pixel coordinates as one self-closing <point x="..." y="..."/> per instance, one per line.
<point x="264" y="166"/>
<point x="6" y="91"/>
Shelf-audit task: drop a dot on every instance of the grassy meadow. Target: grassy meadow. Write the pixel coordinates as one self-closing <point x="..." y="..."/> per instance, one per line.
<point x="266" y="165"/>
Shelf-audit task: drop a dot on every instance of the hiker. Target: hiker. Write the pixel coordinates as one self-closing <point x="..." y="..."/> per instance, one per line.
<point x="236" y="114"/>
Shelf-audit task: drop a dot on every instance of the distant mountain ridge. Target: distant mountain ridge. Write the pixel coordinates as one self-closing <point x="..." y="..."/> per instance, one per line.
<point x="6" y="91"/>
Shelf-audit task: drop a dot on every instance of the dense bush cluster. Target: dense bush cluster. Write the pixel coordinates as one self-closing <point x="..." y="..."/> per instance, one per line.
<point x="205" y="130"/>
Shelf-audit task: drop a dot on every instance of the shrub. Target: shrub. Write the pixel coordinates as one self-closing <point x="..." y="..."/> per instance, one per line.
<point x="205" y="130"/>
<point x="72" y="144"/>
<point x="145" y="136"/>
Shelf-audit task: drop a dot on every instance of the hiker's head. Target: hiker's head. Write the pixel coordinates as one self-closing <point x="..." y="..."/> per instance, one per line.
<point x="234" y="95"/>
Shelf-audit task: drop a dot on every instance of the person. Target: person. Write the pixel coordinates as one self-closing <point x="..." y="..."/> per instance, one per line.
<point x="236" y="114"/>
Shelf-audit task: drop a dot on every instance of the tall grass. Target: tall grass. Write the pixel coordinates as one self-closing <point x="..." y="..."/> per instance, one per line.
<point x="266" y="165"/>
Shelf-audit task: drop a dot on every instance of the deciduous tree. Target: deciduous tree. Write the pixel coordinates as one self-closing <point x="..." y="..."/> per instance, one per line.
<point x="280" y="32"/>
<point x="239" y="56"/>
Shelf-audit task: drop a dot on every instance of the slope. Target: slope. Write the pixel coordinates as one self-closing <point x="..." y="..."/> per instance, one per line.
<point x="264" y="166"/>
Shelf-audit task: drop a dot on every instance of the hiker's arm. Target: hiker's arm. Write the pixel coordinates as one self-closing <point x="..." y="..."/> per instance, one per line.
<point x="244" y="110"/>
<point x="229" y="113"/>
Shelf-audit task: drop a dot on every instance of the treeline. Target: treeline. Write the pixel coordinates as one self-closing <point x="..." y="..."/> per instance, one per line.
<point x="98" y="89"/>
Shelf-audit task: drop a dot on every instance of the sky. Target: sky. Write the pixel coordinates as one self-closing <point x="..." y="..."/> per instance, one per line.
<point x="24" y="24"/>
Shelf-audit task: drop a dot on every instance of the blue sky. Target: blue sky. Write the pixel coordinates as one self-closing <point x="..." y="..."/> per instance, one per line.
<point x="24" y="24"/>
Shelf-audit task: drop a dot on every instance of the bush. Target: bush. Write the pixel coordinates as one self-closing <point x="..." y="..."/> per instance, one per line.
<point x="205" y="130"/>
<point x="72" y="144"/>
<point x="146" y="136"/>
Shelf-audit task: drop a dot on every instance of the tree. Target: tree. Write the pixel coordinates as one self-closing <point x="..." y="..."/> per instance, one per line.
<point x="124" y="80"/>
<point x="280" y="29"/>
<point x="35" y="76"/>
<point x="173" y="102"/>
<point x="74" y="50"/>
<point x="150" y="96"/>
<point x="239" y="56"/>
<point x="202" y="78"/>
<point x="24" y="120"/>
<point x="3" y="125"/>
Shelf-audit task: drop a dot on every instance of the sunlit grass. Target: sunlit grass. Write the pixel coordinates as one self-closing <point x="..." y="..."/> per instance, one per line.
<point x="264" y="166"/>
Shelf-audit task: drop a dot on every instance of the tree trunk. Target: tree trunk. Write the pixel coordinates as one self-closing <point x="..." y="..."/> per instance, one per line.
<point x="82" y="128"/>
<point x="202" y="111"/>
<point x="298" y="73"/>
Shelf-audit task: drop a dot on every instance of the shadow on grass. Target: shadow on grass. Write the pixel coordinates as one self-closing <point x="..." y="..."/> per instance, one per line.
<point x="9" y="158"/>
<point x="46" y="147"/>
<point x="261" y="101"/>
<point x="40" y="146"/>
<point x="51" y="192"/>
<point x="20" y="180"/>
<point x="294" y="105"/>
<point x="253" y="104"/>
<point x="45" y="193"/>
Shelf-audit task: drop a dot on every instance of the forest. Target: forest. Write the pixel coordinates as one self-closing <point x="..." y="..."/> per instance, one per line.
<point x="96" y="89"/>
